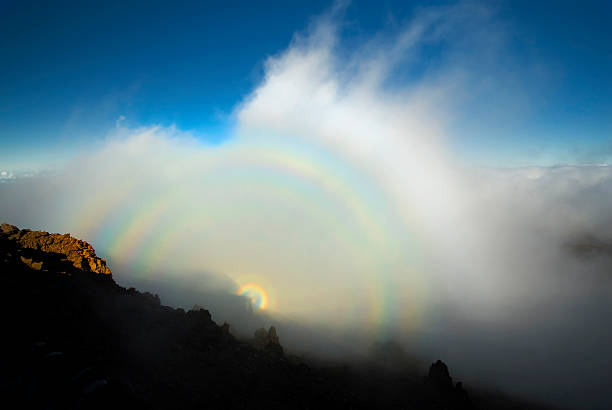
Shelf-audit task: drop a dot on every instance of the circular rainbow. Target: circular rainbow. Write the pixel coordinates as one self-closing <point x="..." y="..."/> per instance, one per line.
<point x="140" y="229"/>
<point x="256" y="294"/>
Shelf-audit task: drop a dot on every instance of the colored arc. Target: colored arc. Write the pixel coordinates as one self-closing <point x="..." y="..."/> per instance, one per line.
<point x="141" y="233"/>
<point x="256" y="293"/>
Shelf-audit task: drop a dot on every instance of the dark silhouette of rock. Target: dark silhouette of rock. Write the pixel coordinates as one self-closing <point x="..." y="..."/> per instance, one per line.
<point x="455" y="396"/>
<point x="272" y="336"/>
<point x="74" y="339"/>
<point x="260" y="338"/>
<point x="462" y="397"/>
<point x="268" y="341"/>
<point x="438" y="375"/>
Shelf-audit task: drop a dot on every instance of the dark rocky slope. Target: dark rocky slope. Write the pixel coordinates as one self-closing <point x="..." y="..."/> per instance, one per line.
<point x="74" y="339"/>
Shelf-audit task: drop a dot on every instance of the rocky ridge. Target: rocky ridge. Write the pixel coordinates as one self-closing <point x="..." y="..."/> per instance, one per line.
<point x="79" y="253"/>
<point x="75" y="339"/>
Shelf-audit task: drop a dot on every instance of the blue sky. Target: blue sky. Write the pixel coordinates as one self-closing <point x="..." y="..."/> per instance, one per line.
<point x="328" y="161"/>
<point x="71" y="69"/>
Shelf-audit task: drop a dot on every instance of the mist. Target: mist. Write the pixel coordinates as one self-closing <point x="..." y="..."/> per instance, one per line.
<point x="343" y="197"/>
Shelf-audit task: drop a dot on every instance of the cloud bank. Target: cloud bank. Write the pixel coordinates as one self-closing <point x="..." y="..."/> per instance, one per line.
<point x="341" y="195"/>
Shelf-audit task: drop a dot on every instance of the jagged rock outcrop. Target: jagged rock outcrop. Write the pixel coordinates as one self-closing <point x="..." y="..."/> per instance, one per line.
<point x="75" y="339"/>
<point x="79" y="253"/>
<point x="439" y="376"/>
<point x="455" y="395"/>
<point x="268" y="340"/>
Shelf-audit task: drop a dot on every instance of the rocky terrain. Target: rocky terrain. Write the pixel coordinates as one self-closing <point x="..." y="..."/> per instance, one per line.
<point x="74" y="339"/>
<point x="79" y="253"/>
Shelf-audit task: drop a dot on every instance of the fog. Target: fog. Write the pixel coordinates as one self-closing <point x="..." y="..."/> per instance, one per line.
<point x="342" y="196"/>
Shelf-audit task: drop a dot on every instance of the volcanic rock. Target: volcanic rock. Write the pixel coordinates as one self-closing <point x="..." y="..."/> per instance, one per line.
<point x="79" y="253"/>
<point x="439" y="376"/>
<point x="268" y="340"/>
<point x="75" y="339"/>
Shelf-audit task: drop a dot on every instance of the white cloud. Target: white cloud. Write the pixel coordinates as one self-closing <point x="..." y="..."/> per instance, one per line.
<point x="341" y="196"/>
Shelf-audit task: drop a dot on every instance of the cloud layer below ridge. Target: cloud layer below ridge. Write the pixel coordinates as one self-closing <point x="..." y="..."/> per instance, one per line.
<point x="341" y="195"/>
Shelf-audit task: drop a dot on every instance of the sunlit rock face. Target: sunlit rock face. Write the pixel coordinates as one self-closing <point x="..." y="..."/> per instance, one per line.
<point x="79" y="253"/>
